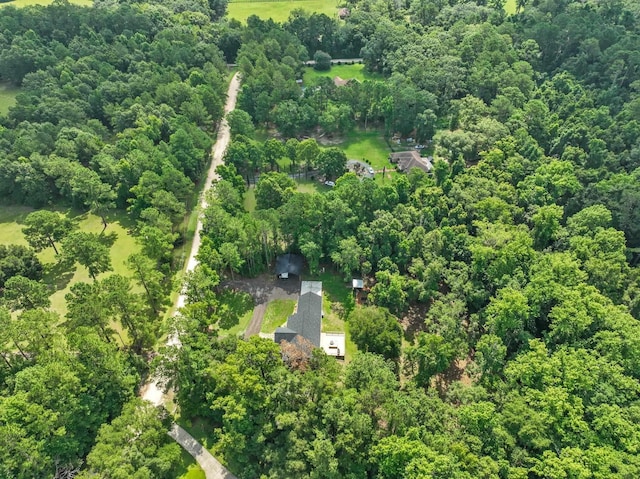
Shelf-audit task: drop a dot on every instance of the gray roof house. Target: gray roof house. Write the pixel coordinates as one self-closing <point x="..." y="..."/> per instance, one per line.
<point x="306" y="319"/>
<point x="410" y="159"/>
<point x="306" y="322"/>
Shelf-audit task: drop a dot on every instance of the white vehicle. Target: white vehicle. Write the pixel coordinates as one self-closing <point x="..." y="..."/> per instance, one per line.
<point x="329" y="183"/>
<point x="371" y="172"/>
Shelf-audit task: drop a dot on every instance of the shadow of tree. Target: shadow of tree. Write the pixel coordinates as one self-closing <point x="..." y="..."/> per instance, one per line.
<point x="233" y="305"/>
<point x="413" y="321"/>
<point x="59" y="274"/>
<point x="108" y="239"/>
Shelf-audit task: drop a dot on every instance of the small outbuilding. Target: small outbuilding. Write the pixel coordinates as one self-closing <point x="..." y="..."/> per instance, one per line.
<point x="289" y="263"/>
<point x="357" y="283"/>
<point x="410" y="159"/>
<point x="343" y="13"/>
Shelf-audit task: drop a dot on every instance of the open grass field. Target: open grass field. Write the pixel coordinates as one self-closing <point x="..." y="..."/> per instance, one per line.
<point x="368" y="146"/>
<point x="7" y="95"/>
<point x="276" y="314"/>
<point x="26" y="3"/>
<point x="60" y="279"/>
<point x="510" y="7"/>
<point x="279" y="11"/>
<point x="346" y="72"/>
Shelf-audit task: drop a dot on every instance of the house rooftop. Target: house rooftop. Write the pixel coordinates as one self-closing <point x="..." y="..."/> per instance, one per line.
<point x="410" y="159"/>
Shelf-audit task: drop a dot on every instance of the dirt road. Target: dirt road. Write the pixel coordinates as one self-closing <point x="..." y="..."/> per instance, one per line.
<point x="151" y="392"/>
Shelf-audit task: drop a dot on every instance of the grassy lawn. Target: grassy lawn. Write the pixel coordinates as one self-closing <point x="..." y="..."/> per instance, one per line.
<point x="388" y="177"/>
<point x="312" y="186"/>
<point x="368" y="146"/>
<point x="510" y="7"/>
<point x="57" y="277"/>
<point x="236" y="311"/>
<point x="7" y="95"/>
<point x="276" y="314"/>
<point x="250" y="199"/>
<point x="279" y="11"/>
<point x="346" y="72"/>
<point x="26" y="3"/>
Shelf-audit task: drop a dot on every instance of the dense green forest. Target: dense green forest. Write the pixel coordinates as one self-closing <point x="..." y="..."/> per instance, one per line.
<point x="499" y="335"/>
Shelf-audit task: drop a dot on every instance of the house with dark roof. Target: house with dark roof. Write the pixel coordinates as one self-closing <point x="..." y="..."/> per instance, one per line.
<point x="410" y="159"/>
<point x="306" y="322"/>
<point x="289" y="263"/>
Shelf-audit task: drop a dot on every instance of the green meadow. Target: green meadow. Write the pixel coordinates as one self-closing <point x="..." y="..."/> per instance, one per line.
<point x="278" y="11"/>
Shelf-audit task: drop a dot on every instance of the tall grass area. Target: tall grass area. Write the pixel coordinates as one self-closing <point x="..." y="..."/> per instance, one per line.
<point x="7" y="95"/>
<point x="59" y="279"/>
<point x="278" y="11"/>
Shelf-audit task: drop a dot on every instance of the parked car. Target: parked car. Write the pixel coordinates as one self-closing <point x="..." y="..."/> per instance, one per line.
<point x="329" y="183"/>
<point x="419" y="147"/>
<point x="371" y="170"/>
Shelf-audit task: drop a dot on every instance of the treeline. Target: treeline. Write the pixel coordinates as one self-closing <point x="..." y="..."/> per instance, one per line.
<point x="116" y="108"/>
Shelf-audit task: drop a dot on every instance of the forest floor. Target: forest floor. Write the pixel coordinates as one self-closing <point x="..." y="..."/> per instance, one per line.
<point x="58" y="277"/>
<point x="279" y="11"/>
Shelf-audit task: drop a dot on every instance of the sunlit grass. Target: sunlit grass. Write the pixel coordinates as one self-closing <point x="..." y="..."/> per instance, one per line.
<point x="60" y="281"/>
<point x="368" y="146"/>
<point x="346" y="72"/>
<point x="276" y="314"/>
<point x="279" y="11"/>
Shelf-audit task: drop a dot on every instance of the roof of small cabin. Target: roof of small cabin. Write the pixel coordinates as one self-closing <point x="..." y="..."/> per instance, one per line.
<point x="289" y="263"/>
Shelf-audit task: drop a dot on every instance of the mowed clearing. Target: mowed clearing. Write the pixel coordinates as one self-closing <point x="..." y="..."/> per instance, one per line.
<point x="346" y="72"/>
<point x="12" y="222"/>
<point x="278" y="11"/>
<point x="7" y="95"/>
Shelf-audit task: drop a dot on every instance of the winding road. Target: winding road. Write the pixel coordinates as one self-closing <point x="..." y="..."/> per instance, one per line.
<point x="151" y="392"/>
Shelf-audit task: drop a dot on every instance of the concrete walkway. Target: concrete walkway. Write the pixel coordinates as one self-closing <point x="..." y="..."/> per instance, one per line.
<point x="209" y="464"/>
